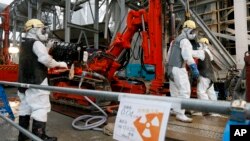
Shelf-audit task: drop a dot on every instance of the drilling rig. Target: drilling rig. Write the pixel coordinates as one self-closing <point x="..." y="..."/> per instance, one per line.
<point x="100" y="70"/>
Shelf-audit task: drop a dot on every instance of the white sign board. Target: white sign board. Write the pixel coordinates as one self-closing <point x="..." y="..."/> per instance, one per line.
<point x="141" y="120"/>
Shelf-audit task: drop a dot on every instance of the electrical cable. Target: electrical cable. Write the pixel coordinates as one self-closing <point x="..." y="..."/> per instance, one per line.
<point x="125" y="60"/>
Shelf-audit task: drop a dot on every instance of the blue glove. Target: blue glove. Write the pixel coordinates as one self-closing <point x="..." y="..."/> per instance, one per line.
<point x="194" y="71"/>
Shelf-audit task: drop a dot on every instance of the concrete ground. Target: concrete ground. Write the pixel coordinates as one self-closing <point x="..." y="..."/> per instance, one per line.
<point x="58" y="125"/>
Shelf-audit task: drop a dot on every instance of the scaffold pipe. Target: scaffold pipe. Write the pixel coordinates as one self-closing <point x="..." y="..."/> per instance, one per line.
<point x="221" y="107"/>
<point x="24" y="131"/>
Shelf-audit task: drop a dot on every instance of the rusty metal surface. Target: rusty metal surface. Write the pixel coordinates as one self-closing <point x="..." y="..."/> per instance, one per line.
<point x="67" y="110"/>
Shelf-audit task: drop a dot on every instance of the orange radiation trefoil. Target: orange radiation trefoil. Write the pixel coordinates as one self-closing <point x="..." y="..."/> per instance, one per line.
<point x="149" y="126"/>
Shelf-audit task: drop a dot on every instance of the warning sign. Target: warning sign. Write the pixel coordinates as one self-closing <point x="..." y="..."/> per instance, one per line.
<point x="141" y="120"/>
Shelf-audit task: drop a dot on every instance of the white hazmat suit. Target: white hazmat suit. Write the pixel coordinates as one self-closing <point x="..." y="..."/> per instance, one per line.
<point x="34" y="61"/>
<point x="36" y="102"/>
<point x="180" y="85"/>
<point x="180" y="55"/>
<point x="205" y="86"/>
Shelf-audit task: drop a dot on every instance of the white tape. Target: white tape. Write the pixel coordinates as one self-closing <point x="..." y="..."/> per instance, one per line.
<point x="25" y="85"/>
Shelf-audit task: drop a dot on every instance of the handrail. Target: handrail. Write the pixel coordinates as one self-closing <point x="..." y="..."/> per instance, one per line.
<point x="221" y="107"/>
<point x="24" y="131"/>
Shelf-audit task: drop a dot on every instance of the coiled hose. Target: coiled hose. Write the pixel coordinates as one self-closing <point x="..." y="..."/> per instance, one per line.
<point x="92" y="121"/>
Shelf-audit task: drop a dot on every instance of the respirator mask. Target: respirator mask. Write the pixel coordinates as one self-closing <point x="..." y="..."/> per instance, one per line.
<point x="42" y="33"/>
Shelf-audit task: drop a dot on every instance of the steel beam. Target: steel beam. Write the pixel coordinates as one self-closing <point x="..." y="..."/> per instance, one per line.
<point x="83" y="28"/>
<point x="240" y="15"/>
<point x="66" y="21"/>
<point x="229" y="37"/>
<point x="96" y="25"/>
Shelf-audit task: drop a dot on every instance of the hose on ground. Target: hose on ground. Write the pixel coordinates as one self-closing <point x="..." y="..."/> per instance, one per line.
<point x="91" y="121"/>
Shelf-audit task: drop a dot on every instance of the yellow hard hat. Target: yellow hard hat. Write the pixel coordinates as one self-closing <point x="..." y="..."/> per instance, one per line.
<point x="204" y="40"/>
<point x="32" y="23"/>
<point x="189" y="24"/>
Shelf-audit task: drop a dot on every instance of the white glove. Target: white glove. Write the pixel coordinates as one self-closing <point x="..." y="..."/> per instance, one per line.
<point x="62" y="65"/>
<point x="50" y="44"/>
<point x="71" y="72"/>
<point x="85" y="56"/>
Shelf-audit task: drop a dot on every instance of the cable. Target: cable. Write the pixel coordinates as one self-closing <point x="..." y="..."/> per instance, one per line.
<point x="88" y="124"/>
<point x="125" y="60"/>
<point x="100" y="119"/>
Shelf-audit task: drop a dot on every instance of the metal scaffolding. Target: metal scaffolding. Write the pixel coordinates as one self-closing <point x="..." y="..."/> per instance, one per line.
<point x="217" y="15"/>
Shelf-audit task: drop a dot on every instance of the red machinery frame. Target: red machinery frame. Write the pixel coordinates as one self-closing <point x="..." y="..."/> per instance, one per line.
<point x="6" y="28"/>
<point x="8" y="71"/>
<point x="150" y="25"/>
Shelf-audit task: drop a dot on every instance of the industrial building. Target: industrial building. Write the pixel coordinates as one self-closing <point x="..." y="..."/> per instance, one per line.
<point x="129" y="70"/>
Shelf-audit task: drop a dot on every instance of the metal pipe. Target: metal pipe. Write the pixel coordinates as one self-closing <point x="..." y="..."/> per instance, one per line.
<point x="106" y="20"/>
<point x="24" y="131"/>
<point x="66" y="21"/>
<point x="54" y="19"/>
<point x="96" y="25"/>
<point x="82" y="28"/>
<point x="222" y="107"/>
<point x="247" y="75"/>
<point x="86" y="39"/>
<point x="172" y="20"/>
<point x="29" y="10"/>
<point x="187" y="10"/>
<point x="39" y="9"/>
<point x="91" y="11"/>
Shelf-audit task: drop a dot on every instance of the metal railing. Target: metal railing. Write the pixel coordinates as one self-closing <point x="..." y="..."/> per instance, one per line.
<point x="21" y="129"/>
<point x="221" y="107"/>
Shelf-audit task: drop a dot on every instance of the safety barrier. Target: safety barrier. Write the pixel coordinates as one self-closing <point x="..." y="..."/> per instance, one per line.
<point x="221" y="107"/>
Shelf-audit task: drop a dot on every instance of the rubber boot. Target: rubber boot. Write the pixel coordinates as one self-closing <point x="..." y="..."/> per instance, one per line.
<point x="38" y="128"/>
<point x="182" y="117"/>
<point x="24" y="121"/>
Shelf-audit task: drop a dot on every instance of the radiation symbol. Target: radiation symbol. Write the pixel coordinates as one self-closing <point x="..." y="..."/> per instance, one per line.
<point x="149" y="126"/>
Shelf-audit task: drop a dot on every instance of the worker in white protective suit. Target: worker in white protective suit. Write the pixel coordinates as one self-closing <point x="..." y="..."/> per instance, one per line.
<point x="180" y="55"/>
<point x="34" y="62"/>
<point x="205" y="86"/>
